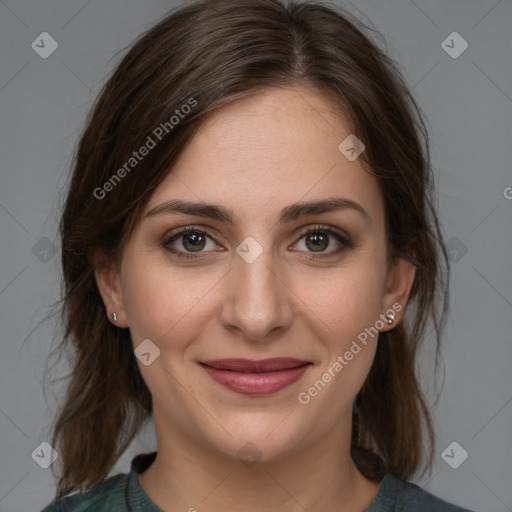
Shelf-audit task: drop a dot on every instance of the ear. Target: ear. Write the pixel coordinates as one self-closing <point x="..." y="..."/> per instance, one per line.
<point x="109" y="285"/>
<point x="399" y="282"/>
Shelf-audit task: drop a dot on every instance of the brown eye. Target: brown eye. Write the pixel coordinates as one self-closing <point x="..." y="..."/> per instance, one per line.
<point x="189" y="243"/>
<point x="317" y="241"/>
<point x="193" y="241"/>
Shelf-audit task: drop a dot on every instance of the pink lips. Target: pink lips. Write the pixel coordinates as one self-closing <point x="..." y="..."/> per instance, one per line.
<point x="256" y="377"/>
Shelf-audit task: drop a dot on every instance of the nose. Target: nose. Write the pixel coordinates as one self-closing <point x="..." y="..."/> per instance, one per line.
<point x="258" y="301"/>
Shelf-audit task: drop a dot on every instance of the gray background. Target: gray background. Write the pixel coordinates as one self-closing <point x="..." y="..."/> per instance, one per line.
<point x="468" y="102"/>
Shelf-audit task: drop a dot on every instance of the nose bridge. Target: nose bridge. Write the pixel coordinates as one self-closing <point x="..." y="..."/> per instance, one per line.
<point x="256" y="300"/>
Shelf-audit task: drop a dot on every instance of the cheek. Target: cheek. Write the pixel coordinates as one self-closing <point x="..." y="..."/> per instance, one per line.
<point x="348" y="299"/>
<point x="348" y="307"/>
<point x="160" y="301"/>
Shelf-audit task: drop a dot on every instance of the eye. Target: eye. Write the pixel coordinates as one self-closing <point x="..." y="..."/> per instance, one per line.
<point x="318" y="239"/>
<point x="188" y="241"/>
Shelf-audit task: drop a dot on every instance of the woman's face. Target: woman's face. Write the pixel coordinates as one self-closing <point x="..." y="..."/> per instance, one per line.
<point x="257" y="286"/>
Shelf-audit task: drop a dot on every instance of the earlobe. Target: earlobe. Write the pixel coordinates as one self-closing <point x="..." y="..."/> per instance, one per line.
<point x="398" y="288"/>
<point x="109" y="286"/>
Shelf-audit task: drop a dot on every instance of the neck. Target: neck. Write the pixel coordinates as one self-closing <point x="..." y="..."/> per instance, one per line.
<point x="188" y="476"/>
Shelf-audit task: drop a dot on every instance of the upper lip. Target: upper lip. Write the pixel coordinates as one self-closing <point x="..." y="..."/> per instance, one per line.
<point x="252" y="366"/>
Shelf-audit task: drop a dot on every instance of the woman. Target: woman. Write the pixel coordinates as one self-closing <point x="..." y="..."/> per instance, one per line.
<point x="251" y="257"/>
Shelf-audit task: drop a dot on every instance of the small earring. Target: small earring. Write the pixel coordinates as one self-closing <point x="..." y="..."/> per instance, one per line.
<point x="390" y="315"/>
<point x="114" y="316"/>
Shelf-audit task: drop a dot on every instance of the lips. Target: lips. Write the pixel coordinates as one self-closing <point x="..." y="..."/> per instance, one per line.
<point x="251" y="377"/>
<point x="250" y="366"/>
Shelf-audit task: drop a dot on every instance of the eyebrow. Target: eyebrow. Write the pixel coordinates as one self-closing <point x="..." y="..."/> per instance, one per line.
<point x="288" y="214"/>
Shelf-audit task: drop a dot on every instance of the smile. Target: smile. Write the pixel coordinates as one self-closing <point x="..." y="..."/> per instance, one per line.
<point x="256" y="377"/>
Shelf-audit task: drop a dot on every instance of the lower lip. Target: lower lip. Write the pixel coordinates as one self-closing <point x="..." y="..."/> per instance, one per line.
<point x="263" y="383"/>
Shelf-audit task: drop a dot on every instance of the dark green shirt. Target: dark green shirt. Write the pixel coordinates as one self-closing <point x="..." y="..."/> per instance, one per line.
<point x="123" y="493"/>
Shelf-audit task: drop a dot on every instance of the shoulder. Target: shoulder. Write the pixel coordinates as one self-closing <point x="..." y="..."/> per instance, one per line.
<point x="119" y="493"/>
<point x="413" y="496"/>
<point x="400" y="496"/>
<point x="109" y="495"/>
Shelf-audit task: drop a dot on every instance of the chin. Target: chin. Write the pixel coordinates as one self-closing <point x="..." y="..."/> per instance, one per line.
<point x="257" y="437"/>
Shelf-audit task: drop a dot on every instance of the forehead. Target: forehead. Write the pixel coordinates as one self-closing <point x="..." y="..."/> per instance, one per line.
<point x="260" y="153"/>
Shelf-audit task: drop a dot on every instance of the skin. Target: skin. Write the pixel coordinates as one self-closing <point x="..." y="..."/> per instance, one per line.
<point x="255" y="157"/>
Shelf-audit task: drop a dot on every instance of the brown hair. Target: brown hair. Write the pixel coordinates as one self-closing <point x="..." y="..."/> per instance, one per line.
<point x="210" y="53"/>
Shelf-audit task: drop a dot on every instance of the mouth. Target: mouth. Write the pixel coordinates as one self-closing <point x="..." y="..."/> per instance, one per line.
<point x="250" y="377"/>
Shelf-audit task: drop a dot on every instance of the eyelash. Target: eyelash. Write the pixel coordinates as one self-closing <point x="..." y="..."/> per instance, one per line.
<point x="346" y="242"/>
